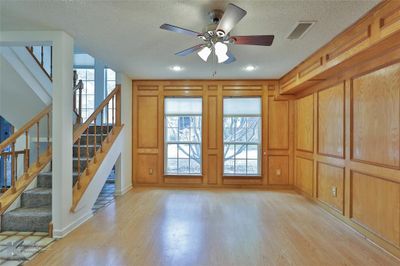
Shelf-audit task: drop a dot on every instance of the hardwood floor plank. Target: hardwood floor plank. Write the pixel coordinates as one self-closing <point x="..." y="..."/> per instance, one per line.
<point x="213" y="227"/>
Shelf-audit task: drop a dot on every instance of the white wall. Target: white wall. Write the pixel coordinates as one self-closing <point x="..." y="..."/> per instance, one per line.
<point x="64" y="220"/>
<point x="18" y="102"/>
<point x="124" y="164"/>
<point x="84" y="209"/>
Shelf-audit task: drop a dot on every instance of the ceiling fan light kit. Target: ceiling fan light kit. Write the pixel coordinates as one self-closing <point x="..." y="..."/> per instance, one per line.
<point x="204" y="53"/>
<point x="216" y="35"/>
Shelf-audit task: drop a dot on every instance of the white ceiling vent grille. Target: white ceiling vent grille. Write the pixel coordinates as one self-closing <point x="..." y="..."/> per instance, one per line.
<point x="300" y="30"/>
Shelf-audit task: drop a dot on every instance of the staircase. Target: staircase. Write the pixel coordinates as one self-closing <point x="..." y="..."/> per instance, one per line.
<point x="93" y="140"/>
<point x="35" y="211"/>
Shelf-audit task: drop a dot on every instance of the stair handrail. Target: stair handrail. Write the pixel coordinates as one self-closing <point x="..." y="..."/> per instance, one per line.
<point x="30" y="171"/>
<point x="115" y="95"/>
<point x="40" y="60"/>
<point x="111" y="125"/>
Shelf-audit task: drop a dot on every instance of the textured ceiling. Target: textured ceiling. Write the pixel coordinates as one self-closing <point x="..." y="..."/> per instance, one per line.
<point x="126" y="34"/>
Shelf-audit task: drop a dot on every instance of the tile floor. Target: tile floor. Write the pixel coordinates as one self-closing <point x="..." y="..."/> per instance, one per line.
<point x="107" y="194"/>
<point x="13" y="254"/>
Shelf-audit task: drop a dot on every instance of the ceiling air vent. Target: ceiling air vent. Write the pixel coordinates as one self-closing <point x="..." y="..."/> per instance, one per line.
<point x="301" y="28"/>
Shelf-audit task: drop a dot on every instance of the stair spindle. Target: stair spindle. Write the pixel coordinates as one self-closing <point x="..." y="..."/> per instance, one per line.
<point x="95" y="142"/>
<point x="5" y="172"/>
<point x="87" y="151"/>
<point x="13" y="174"/>
<point x="101" y="130"/>
<point x="112" y="113"/>
<point x="26" y="157"/>
<point x="80" y="103"/>
<point x="37" y="144"/>
<point x="48" y="133"/>
<point x="41" y="55"/>
<point x="79" y="163"/>
<point x="108" y="114"/>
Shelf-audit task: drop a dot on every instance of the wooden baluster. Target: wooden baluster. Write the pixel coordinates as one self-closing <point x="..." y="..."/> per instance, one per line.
<point x="118" y="107"/>
<point x="87" y="151"/>
<point x="101" y="129"/>
<point x="26" y="157"/>
<point x="108" y="114"/>
<point x="48" y="133"/>
<point x="41" y="56"/>
<point x="37" y="145"/>
<point x="79" y="163"/>
<point x="16" y="165"/>
<point x="5" y="172"/>
<point x="51" y="62"/>
<point x="13" y="189"/>
<point x="95" y="141"/>
<point x="80" y="104"/>
<point x="112" y="113"/>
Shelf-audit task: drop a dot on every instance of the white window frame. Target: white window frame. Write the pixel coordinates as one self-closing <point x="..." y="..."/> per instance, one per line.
<point x="246" y="143"/>
<point x="111" y="106"/>
<point x="177" y="142"/>
<point x="84" y="91"/>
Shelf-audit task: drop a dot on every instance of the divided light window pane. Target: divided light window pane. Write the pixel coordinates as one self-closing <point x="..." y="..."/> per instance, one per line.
<point x="183" y="130"/>
<point x="87" y="77"/>
<point x="242" y="136"/>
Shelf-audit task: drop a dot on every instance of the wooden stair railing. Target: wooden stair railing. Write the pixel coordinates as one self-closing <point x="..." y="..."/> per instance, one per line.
<point x="107" y="119"/>
<point x="43" y="56"/>
<point x="18" y="182"/>
<point x="77" y="107"/>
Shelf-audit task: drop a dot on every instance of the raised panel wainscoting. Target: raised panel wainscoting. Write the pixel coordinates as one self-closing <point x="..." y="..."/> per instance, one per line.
<point x="354" y="171"/>
<point x="276" y="163"/>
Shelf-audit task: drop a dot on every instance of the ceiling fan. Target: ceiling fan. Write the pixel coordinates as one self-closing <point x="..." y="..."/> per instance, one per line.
<point x="216" y="35"/>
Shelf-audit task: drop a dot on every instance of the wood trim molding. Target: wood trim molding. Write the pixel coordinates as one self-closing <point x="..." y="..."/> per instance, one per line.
<point x="366" y="39"/>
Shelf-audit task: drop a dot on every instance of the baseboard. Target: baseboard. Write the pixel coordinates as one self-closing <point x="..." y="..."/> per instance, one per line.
<point x="222" y="187"/>
<point x="123" y="191"/>
<point x="71" y="227"/>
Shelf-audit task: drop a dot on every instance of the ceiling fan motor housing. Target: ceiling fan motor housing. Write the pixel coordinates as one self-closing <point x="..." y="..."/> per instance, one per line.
<point x="215" y="15"/>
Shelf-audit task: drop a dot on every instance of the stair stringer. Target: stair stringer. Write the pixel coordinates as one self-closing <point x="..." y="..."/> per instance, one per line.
<point x="83" y="210"/>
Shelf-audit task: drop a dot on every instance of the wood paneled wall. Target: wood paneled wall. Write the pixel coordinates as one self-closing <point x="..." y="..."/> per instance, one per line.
<point x="148" y="137"/>
<point x="377" y="30"/>
<point x="347" y="139"/>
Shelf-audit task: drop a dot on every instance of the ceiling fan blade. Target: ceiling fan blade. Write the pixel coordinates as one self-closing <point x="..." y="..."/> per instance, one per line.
<point x="231" y="58"/>
<point x="179" y="30"/>
<point x="232" y="15"/>
<point x="190" y="50"/>
<point x="265" y="40"/>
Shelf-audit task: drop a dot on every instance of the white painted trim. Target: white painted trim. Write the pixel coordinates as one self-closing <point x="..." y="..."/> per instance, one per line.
<point x="68" y="229"/>
<point x="123" y="191"/>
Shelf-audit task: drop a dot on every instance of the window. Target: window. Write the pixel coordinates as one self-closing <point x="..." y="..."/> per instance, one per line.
<point x="109" y="80"/>
<point x="183" y="136"/>
<point x="242" y="136"/>
<point x="87" y="77"/>
<point x="109" y="86"/>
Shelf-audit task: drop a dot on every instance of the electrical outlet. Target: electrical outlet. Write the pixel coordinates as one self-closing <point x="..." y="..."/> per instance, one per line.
<point x="150" y="171"/>
<point x="334" y="192"/>
<point x="278" y="172"/>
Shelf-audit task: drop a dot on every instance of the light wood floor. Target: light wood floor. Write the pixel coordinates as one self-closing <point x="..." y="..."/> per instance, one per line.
<point x="213" y="227"/>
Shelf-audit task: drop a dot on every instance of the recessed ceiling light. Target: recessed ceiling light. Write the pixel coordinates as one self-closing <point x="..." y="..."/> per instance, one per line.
<point x="250" y="68"/>
<point x="176" y="68"/>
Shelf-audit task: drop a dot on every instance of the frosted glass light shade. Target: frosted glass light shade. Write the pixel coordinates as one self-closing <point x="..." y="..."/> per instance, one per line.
<point x="204" y="53"/>
<point x="220" y="50"/>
